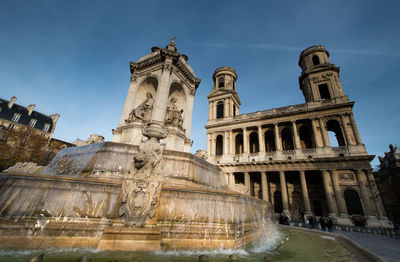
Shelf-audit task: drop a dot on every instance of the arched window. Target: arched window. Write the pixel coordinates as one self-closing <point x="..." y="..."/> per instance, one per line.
<point x="239" y="144"/>
<point x="324" y="91"/>
<point x="353" y="202"/>
<point x="219" y="145"/>
<point x="315" y="60"/>
<point x="287" y="140"/>
<point x="221" y="82"/>
<point x="278" y="202"/>
<point x="306" y="140"/>
<point x="220" y="109"/>
<point x="269" y="141"/>
<point x="335" y="133"/>
<point x="254" y="143"/>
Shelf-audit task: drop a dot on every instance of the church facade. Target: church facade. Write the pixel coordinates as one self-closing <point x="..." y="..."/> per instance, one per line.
<point x="286" y="155"/>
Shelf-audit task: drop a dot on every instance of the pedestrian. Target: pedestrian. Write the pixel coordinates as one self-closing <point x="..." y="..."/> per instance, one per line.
<point x="329" y="224"/>
<point x="322" y="223"/>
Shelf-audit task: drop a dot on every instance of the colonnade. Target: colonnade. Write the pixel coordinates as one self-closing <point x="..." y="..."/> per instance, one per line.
<point x="332" y="188"/>
<point x="343" y="125"/>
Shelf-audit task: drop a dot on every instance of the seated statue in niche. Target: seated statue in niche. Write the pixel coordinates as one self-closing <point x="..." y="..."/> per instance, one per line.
<point x="143" y="111"/>
<point x="173" y="116"/>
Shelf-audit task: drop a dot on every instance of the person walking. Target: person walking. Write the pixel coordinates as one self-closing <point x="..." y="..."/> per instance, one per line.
<point x="329" y="224"/>
<point x="322" y="223"/>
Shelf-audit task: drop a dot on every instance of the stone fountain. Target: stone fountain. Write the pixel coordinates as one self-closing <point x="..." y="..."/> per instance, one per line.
<point x="143" y="191"/>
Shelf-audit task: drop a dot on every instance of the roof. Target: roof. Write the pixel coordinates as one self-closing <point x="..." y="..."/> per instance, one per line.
<point x="8" y="113"/>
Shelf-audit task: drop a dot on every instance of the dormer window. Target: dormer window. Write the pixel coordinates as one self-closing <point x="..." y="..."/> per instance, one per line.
<point x="46" y="127"/>
<point x="315" y="60"/>
<point x="32" y="123"/>
<point x="16" y="117"/>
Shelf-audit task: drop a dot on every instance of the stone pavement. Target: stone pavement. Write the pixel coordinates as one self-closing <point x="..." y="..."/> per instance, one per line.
<point x="385" y="247"/>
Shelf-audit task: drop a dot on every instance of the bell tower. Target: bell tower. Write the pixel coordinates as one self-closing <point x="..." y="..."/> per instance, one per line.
<point x="223" y="100"/>
<point x="319" y="78"/>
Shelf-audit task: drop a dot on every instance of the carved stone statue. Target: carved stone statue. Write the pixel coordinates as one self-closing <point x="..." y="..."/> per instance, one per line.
<point x="173" y="116"/>
<point x="139" y="193"/>
<point x="143" y="111"/>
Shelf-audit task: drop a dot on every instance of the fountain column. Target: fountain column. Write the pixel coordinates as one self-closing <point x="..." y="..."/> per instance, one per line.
<point x="285" y="203"/>
<point x="304" y="189"/>
<point x="247" y="181"/>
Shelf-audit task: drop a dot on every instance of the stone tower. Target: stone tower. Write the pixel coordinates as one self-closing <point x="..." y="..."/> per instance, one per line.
<point x="319" y="78"/>
<point x="159" y="103"/>
<point x="223" y="99"/>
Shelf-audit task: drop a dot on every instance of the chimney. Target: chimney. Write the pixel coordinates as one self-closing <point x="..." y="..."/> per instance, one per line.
<point x="12" y="101"/>
<point x="54" y="117"/>
<point x="30" y="109"/>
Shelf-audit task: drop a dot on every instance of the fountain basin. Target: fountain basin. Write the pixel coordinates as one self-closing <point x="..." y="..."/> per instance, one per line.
<point x="193" y="208"/>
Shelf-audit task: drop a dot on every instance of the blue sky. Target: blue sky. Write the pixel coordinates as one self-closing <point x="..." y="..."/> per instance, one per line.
<point x="72" y="57"/>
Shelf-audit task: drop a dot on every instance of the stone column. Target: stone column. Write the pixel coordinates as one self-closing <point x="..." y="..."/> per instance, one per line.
<point x="345" y="130"/>
<point x="232" y="179"/>
<point x="324" y="133"/>
<point x="226" y="107"/>
<point x="209" y="141"/>
<point x="245" y="141"/>
<point x="212" y="147"/>
<point x="264" y="185"/>
<point x="304" y="190"/>
<point x="364" y="193"/>
<point x="375" y="194"/>
<point x="210" y="110"/>
<point x="284" y="193"/>
<point x="326" y="179"/>
<point x="247" y="181"/>
<point x="226" y="143"/>
<point x="296" y="136"/>
<point x="278" y="143"/>
<point x="231" y="143"/>
<point x="227" y="178"/>
<point x="261" y="143"/>
<point x="315" y="133"/>
<point x="355" y="130"/>
<point x="341" y="204"/>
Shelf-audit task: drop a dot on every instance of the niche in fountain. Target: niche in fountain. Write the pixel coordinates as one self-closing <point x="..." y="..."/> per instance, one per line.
<point x="144" y="190"/>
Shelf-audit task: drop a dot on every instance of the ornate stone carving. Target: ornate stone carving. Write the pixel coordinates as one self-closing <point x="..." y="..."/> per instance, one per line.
<point x="138" y="201"/>
<point x="25" y="167"/>
<point x="347" y="176"/>
<point x="139" y="194"/>
<point x="173" y="115"/>
<point x="143" y="111"/>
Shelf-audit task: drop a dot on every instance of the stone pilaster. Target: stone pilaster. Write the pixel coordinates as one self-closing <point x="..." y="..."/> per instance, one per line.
<point x="375" y="194"/>
<point x="345" y="130"/>
<point x="355" y="130"/>
<point x="338" y="194"/>
<point x="364" y="193"/>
